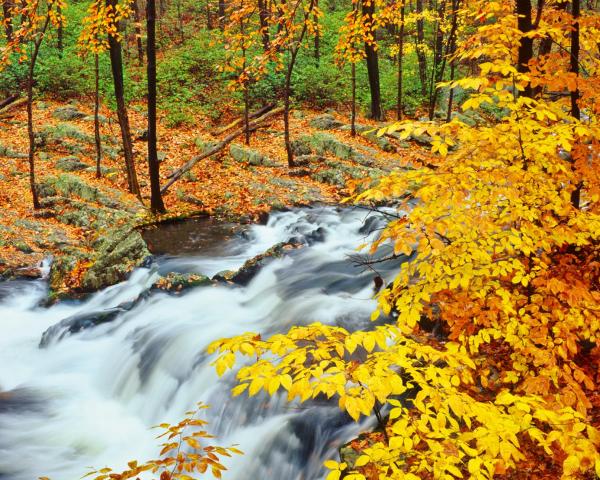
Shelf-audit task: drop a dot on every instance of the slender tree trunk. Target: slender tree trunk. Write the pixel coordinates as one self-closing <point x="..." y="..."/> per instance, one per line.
<point x="438" y="55"/>
<point x="222" y="14"/>
<point x="317" y="50"/>
<point x="137" y="18"/>
<point x="286" y="112"/>
<point x="353" y="116"/>
<point x="116" y="63"/>
<point x="246" y="92"/>
<point x="399" y="105"/>
<point x="7" y="6"/>
<point x="263" y="16"/>
<point x="97" y="137"/>
<point x="368" y="8"/>
<point x="156" y="201"/>
<point x="525" y="25"/>
<point x="421" y="58"/>
<point x="575" y="110"/>
<point x="59" y="33"/>
<point x="30" y="132"/>
<point x="209" y="24"/>
<point x="180" y="22"/>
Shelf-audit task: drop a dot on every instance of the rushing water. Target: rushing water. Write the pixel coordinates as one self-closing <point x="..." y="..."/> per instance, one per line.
<point x="89" y="398"/>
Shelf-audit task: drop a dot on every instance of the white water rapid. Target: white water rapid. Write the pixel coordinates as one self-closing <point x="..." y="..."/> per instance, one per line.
<point x="88" y="398"/>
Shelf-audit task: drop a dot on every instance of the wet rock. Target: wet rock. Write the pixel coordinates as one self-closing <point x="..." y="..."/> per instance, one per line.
<point x="249" y="155"/>
<point x="253" y="266"/>
<point x="325" y="122"/>
<point x="224" y="276"/>
<point x="116" y="255"/>
<point x="178" y="282"/>
<point x="68" y="113"/>
<point x="70" y="164"/>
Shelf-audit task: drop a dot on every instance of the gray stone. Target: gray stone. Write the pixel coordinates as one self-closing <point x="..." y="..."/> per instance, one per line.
<point x="101" y="118"/>
<point x="249" y="155"/>
<point x="68" y="113"/>
<point x="330" y="176"/>
<point x="162" y="156"/>
<point x="325" y="122"/>
<point x="63" y="131"/>
<point x="70" y="164"/>
<point x="10" y="153"/>
<point x="301" y="146"/>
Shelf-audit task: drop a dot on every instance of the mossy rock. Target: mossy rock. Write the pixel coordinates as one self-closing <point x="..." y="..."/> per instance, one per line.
<point x="325" y="122"/>
<point x="68" y="113"/>
<point x="253" y="266"/>
<point x="62" y="132"/>
<point x="301" y="146"/>
<point x="117" y="253"/>
<point x="253" y="157"/>
<point x="71" y="164"/>
<point x="10" y="153"/>
<point x="178" y="282"/>
<point x="330" y="176"/>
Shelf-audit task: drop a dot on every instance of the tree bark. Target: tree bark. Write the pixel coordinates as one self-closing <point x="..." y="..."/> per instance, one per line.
<point x="116" y="63"/>
<point x="353" y="115"/>
<point x="317" y="50"/>
<point x="368" y="9"/>
<point x="421" y="58"/>
<point x="97" y="138"/>
<point x="399" y="105"/>
<point x="525" y="25"/>
<point x="575" y="110"/>
<point x="222" y="14"/>
<point x="437" y="72"/>
<point x="156" y="201"/>
<point x="7" y="6"/>
<point x="137" y="18"/>
<point x="30" y="132"/>
<point x="263" y="16"/>
<point x="59" y="34"/>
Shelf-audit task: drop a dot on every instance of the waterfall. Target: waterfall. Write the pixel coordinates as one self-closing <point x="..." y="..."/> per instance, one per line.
<point x="88" y="396"/>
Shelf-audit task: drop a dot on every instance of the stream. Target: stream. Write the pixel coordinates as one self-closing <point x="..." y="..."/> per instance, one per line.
<point x="89" y="398"/>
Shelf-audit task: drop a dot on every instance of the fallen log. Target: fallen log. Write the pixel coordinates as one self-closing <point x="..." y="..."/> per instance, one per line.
<point x="253" y="125"/>
<point x="10" y="106"/>
<point x="235" y="123"/>
<point x="8" y="100"/>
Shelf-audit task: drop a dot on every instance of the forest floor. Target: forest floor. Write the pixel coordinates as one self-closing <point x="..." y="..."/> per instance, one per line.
<point x="82" y="212"/>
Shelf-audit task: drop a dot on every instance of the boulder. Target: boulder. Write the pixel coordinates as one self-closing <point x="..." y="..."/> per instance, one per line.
<point x="330" y="176"/>
<point x="10" y="153"/>
<point x="325" y="122"/>
<point x="301" y="146"/>
<point x="68" y="113"/>
<point x="116" y="254"/>
<point x="70" y="164"/>
<point x="253" y="266"/>
<point x="253" y="157"/>
<point x="178" y="282"/>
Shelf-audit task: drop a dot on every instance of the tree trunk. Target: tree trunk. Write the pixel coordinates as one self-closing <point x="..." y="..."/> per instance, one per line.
<point x="30" y="132"/>
<point x="422" y="59"/>
<point x="137" y="18"/>
<point x="59" y="33"/>
<point x="156" y="201"/>
<point x="436" y="71"/>
<point x="525" y="25"/>
<point x="368" y="8"/>
<point x="317" y="51"/>
<point x="399" y="105"/>
<point x="97" y="137"/>
<point x="116" y="63"/>
<point x="7" y="6"/>
<point x="575" y="110"/>
<point x="353" y="116"/>
<point x="286" y="113"/>
<point x="209" y="24"/>
<point x="263" y="16"/>
<point x="222" y="14"/>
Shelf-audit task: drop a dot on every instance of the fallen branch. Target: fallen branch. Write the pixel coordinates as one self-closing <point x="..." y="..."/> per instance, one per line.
<point x="253" y="125"/>
<point x="235" y="123"/>
<point x="10" y="106"/>
<point x="9" y="100"/>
